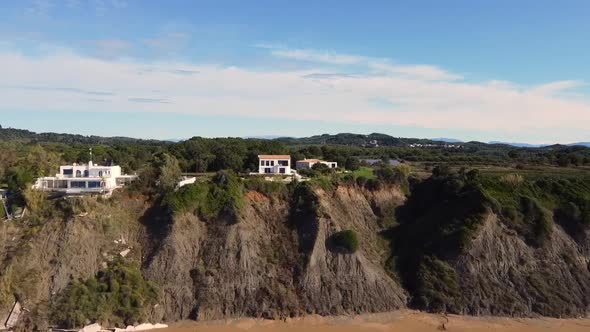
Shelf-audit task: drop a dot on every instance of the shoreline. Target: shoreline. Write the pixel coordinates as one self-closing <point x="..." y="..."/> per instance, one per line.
<point x="402" y="320"/>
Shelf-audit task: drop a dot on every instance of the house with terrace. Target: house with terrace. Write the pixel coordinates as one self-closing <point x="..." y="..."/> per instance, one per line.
<point x="274" y="164"/>
<point x="308" y="163"/>
<point x="84" y="179"/>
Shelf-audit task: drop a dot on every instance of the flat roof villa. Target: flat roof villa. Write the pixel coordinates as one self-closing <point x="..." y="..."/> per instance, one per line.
<point x="85" y="179"/>
<point x="274" y="164"/>
<point x="308" y="163"/>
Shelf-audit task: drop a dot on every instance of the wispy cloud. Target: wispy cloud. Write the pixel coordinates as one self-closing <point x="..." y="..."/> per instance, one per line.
<point x="169" y="42"/>
<point x="62" y="89"/>
<point x="372" y="64"/>
<point x="39" y="8"/>
<point x="319" y="94"/>
<point x="149" y="100"/>
<point x="112" y="47"/>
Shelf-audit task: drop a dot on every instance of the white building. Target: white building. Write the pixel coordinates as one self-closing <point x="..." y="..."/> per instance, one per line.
<point x="274" y="164"/>
<point x="85" y="179"/>
<point x="308" y="163"/>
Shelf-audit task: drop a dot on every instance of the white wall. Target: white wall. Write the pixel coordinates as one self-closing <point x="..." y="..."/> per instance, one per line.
<point x="273" y="164"/>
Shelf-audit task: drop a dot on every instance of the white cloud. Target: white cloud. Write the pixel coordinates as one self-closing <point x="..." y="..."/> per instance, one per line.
<point x="169" y="42"/>
<point x="112" y="47"/>
<point x="60" y="82"/>
<point x="375" y="65"/>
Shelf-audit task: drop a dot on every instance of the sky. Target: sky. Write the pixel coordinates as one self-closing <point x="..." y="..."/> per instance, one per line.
<point x="513" y="71"/>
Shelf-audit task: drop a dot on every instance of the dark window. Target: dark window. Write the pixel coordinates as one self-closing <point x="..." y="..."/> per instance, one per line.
<point x="99" y="173"/>
<point x="282" y="170"/>
<point x="272" y="163"/>
<point x="268" y="170"/>
<point x="78" y="174"/>
<point x="78" y="184"/>
<point x="93" y="184"/>
<point x="284" y="162"/>
<point x="262" y="163"/>
<point x="86" y="173"/>
<point x="68" y="171"/>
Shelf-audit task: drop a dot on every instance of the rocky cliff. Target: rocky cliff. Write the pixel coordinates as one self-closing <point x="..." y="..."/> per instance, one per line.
<point x="276" y="258"/>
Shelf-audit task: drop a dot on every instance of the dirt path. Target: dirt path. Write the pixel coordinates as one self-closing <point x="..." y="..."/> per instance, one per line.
<point x="404" y="320"/>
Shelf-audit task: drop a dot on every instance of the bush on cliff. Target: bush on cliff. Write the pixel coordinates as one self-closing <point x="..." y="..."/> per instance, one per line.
<point x="221" y="197"/>
<point x="116" y="296"/>
<point x="346" y="240"/>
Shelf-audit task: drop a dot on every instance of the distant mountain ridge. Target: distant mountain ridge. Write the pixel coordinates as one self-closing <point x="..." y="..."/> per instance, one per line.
<point x="373" y="139"/>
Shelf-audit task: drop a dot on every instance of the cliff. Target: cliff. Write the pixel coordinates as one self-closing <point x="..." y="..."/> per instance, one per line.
<point x="272" y="254"/>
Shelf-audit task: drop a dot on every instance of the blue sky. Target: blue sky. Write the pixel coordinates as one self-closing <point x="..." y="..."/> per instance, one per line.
<point x="482" y="70"/>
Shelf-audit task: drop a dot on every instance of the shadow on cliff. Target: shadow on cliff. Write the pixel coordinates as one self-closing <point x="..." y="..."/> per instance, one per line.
<point x="157" y="222"/>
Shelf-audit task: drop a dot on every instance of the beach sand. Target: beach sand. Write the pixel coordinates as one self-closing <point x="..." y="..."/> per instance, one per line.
<point x="404" y="320"/>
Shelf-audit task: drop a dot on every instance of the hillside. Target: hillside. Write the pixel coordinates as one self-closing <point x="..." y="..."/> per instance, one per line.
<point x="23" y="135"/>
<point x="459" y="243"/>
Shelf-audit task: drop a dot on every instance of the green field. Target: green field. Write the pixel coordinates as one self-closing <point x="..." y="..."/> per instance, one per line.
<point x="366" y="172"/>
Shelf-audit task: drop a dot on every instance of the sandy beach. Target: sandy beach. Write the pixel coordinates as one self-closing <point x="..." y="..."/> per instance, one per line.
<point x="405" y="320"/>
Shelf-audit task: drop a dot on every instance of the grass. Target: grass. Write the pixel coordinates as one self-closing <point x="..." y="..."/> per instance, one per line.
<point x="530" y="204"/>
<point x="366" y="172"/>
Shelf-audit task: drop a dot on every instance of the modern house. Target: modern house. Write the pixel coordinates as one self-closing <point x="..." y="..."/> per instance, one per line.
<point x="308" y="163"/>
<point x="85" y="179"/>
<point x="274" y="164"/>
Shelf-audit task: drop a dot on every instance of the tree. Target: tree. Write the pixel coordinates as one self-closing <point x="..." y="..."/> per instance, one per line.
<point x="168" y="171"/>
<point x="18" y="178"/>
<point x="352" y="164"/>
<point x="42" y="162"/>
<point x="321" y="168"/>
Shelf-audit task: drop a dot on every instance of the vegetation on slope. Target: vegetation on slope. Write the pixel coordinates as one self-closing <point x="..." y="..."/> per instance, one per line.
<point x="117" y="296"/>
<point x="222" y="197"/>
<point x="529" y="205"/>
<point x="439" y="219"/>
<point x="346" y="240"/>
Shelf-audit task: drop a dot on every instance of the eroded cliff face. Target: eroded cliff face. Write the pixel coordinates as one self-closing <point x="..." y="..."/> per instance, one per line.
<point x="275" y="262"/>
<point x="501" y="275"/>
<point x="39" y="261"/>
<point x="260" y="267"/>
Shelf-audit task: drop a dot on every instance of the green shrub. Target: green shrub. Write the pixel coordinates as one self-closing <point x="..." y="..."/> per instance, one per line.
<point x="361" y="181"/>
<point x="437" y="286"/>
<point x="269" y="188"/>
<point x="116" y="296"/>
<point x="221" y="197"/>
<point x="346" y="240"/>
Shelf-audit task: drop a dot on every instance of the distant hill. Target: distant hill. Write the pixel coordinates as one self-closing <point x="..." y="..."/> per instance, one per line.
<point x="520" y="145"/>
<point x="357" y="140"/>
<point x="587" y="144"/>
<point x="448" y="140"/>
<point x="12" y="134"/>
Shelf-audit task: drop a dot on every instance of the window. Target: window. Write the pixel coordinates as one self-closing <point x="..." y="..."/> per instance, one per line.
<point x="99" y="173"/>
<point x="86" y="173"/>
<point x="268" y="170"/>
<point x="272" y="163"/>
<point x="94" y="184"/>
<point x="267" y="163"/>
<point x="262" y="163"/>
<point x="78" y="173"/>
<point x="78" y="184"/>
<point x="68" y="171"/>
<point x="282" y="170"/>
<point x="284" y="162"/>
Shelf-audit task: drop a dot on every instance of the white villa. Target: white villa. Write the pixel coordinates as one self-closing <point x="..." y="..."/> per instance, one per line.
<point x="308" y="163"/>
<point x="274" y="164"/>
<point x="85" y="179"/>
